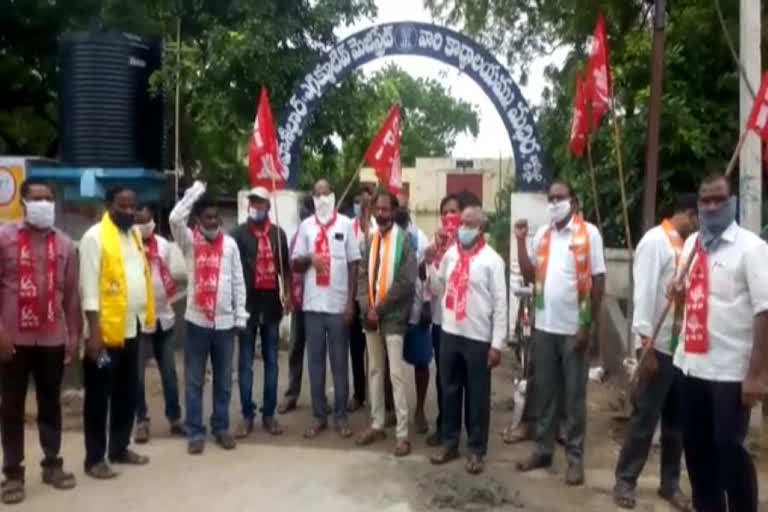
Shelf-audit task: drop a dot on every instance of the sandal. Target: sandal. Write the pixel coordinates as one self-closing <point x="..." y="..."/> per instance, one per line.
<point x="130" y="458"/>
<point x="475" y="465"/>
<point x="514" y="435"/>
<point x="402" y="448"/>
<point x="313" y="431"/>
<point x="344" y="431"/>
<point x="101" y="471"/>
<point x="271" y="426"/>
<point x="12" y="492"/>
<point x="370" y="436"/>
<point x="444" y="456"/>
<point x="57" y="478"/>
<point x="141" y="436"/>
<point x="624" y="496"/>
<point x="676" y="500"/>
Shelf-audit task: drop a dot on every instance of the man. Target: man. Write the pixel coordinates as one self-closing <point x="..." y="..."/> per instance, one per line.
<point x="657" y="259"/>
<point x="118" y="300"/>
<point x="158" y="338"/>
<point x="723" y="354"/>
<point x="40" y="327"/>
<point x="215" y="311"/>
<point x="327" y="254"/>
<point x="385" y="293"/>
<point x="471" y="283"/>
<point x="445" y="237"/>
<point x="263" y="267"/>
<point x="298" y="330"/>
<point x="569" y="276"/>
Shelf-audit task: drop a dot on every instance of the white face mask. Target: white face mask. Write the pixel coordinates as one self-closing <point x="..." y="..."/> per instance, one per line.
<point x="559" y="211"/>
<point x="147" y="229"/>
<point x="40" y="214"/>
<point x="324" y="206"/>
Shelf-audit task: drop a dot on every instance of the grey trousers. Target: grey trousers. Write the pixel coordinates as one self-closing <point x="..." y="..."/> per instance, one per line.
<point x="658" y="397"/>
<point x="561" y="378"/>
<point x="296" y="357"/>
<point x="328" y="334"/>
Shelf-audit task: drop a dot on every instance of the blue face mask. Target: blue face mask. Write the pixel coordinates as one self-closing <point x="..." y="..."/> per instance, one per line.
<point x="257" y="215"/>
<point x="357" y="209"/>
<point x="468" y="235"/>
<point x="714" y="222"/>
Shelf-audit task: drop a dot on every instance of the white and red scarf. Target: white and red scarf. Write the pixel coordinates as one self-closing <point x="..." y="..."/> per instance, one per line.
<point x="30" y="316"/>
<point x="323" y="250"/>
<point x="458" y="282"/>
<point x="697" y="304"/>
<point x="208" y="256"/>
<point x="153" y="255"/>
<point x="264" y="270"/>
<point x="450" y="224"/>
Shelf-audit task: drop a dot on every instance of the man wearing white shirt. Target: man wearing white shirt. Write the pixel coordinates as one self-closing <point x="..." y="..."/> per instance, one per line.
<point x="656" y="261"/>
<point x="216" y="309"/>
<point x="722" y="353"/>
<point x="569" y="273"/>
<point x="471" y="282"/>
<point x="327" y="253"/>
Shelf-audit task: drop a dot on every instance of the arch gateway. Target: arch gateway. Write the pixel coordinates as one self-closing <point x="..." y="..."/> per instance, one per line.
<point x="436" y="42"/>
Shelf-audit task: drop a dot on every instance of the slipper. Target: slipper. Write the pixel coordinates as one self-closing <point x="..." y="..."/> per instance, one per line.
<point x="272" y="427"/>
<point x="402" y="448"/>
<point x="344" y="431"/>
<point x="514" y="435"/>
<point x="624" y="496"/>
<point x="676" y="500"/>
<point x="444" y="457"/>
<point x="58" y="478"/>
<point x="313" y="431"/>
<point x="370" y="436"/>
<point x="101" y="471"/>
<point x="131" y="458"/>
<point x="475" y="465"/>
<point x="12" y="492"/>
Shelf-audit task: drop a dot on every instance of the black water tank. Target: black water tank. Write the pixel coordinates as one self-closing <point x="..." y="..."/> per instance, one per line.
<point x="108" y="116"/>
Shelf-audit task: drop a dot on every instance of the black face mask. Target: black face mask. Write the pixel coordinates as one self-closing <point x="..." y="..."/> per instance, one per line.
<point x="403" y="218"/>
<point x="123" y="221"/>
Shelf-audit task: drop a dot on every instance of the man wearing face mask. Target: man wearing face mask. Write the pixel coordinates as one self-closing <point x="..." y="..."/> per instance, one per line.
<point x="723" y="351"/>
<point x="569" y="277"/>
<point x="40" y="328"/>
<point x="118" y="300"/>
<point x="470" y="282"/>
<point x="158" y="338"/>
<point x="327" y="253"/>
<point x="215" y="313"/>
<point x="259" y="242"/>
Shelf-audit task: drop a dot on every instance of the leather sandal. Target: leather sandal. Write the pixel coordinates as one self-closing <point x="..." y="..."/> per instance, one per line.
<point x="370" y="436"/>
<point x="402" y="448"/>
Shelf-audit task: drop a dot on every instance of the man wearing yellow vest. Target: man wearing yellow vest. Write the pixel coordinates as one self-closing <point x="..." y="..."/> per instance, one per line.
<point x="569" y="277"/>
<point x="117" y="294"/>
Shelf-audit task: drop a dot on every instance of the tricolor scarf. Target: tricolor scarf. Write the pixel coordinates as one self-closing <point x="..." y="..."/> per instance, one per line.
<point x="458" y="282"/>
<point x="450" y="224"/>
<point x="697" y="304"/>
<point x="153" y="255"/>
<point x="676" y="243"/>
<point x="581" y="257"/>
<point x="323" y="250"/>
<point x="264" y="270"/>
<point x="30" y="317"/>
<point x="208" y="257"/>
<point x="391" y="243"/>
<point x="297" y="291"/>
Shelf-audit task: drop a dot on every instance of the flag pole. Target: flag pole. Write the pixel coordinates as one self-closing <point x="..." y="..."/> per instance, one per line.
<point x="593" y="178"/>
<point x="620" y="165"/>
<point x="355" y="176"/>
<point x="281" y="284"/>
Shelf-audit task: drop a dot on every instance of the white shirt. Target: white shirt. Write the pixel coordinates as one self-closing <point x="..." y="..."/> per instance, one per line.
<point x="230" y="297"/>
<point x="486" y="319"/>
<point x="560" y="314"/>
<point x="738" y="290"/>
<point x="420" y="292"/>
<point x="163" y="310"/>
<point x="90" y="250"/>
<point x="344" y="249"/>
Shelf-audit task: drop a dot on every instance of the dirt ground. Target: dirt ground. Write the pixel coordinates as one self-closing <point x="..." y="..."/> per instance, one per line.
<point x="289" y="473"/>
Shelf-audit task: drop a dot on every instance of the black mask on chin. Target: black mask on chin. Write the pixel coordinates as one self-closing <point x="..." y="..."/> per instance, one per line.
<point x="123" y="221"/>
<point x="402" y="218"/>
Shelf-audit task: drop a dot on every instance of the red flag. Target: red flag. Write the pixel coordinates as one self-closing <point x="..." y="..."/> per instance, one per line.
<point x="598" y="83"/>
<point x="264" y="166"/>
<point x="384" y="152"/>
<point x="758" y="118"/>
<point x="580" y="122"/>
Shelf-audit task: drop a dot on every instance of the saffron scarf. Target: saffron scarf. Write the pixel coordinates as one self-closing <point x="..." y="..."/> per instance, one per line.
<point x="676" y="243"/>
<point x="153" y="255"/>
<point x="391" y="243"/>
<point x="208" y="257"/>
<point x="30" y="317"/>
<point x="697" y="304"/>
<point x="323" y="250"/>
<point x="581" y="256"/>
<point x="458" y="282"/>
<point x="264" y="270"/>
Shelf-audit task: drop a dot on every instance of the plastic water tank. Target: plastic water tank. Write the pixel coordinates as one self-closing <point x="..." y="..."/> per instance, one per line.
<point x="109" y="118"/>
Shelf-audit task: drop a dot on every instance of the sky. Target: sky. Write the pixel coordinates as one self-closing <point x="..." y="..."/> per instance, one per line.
<point x="492" y="141"/>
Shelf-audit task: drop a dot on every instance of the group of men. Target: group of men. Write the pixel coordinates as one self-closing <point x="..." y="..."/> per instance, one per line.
<point x="376" y="284"/>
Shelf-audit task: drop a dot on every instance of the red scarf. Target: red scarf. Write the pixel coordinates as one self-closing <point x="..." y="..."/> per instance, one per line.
<point x="207" y="267"/>
<point x="264" y="270"/>
<point x="450" y="224"/>
<point x="29" y="296"/>
<point x="297" y="290"/>
<point x="458" y="282"/>
<point x="697" y="304"/>
<point x="323" y="250"/>
<point x="153" y="255"/>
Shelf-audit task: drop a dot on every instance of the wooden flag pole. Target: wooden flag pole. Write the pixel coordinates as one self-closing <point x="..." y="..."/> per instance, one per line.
<point x="352" y="181"/>
<point x="281" y="284"/>
<point x="593" y="178"/>
<point x="620" y="165"/>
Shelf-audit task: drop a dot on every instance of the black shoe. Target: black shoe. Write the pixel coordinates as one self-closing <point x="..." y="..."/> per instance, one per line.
<point x="575" y="474"/>
<point x="196" y="447"/>
<point x="534" y="462"/>
<point x="434" y="439"/>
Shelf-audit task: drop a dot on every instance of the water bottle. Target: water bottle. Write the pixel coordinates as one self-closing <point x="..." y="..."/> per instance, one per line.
<point x="103" y="360"/>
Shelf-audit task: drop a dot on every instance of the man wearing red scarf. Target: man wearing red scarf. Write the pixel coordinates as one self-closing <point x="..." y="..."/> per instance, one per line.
<point x="723" y="352"/>
<point x="471" y="284"/>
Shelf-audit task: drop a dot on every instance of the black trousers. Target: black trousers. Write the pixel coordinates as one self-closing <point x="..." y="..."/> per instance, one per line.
<point x="296" y="357"/>
<point x="111" y="391"/>
<point x="357" y="354"/>
<point x="46" y="366"/>
<point x="464" y="365"/>
<point x="715" y="426"/>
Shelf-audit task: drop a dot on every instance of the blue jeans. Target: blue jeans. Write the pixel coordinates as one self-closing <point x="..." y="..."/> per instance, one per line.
<point x="247" y="345"/>
<point x="159" y="344"/>
<point x="220" y="345"/>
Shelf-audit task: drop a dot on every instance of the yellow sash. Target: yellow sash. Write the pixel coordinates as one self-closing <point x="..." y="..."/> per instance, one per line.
<point x="113" y="290"/>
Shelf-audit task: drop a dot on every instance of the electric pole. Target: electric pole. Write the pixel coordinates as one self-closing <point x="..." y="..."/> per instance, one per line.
<point x="750" y="161"/>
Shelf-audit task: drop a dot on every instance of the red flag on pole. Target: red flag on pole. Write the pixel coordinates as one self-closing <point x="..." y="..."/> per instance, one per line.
<point x="580" y="122"/>
<point x="758" y="118"/>
<point x="384" y="153"/>
<point x="598" y="83"/>
<point x="264" y="166"/>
